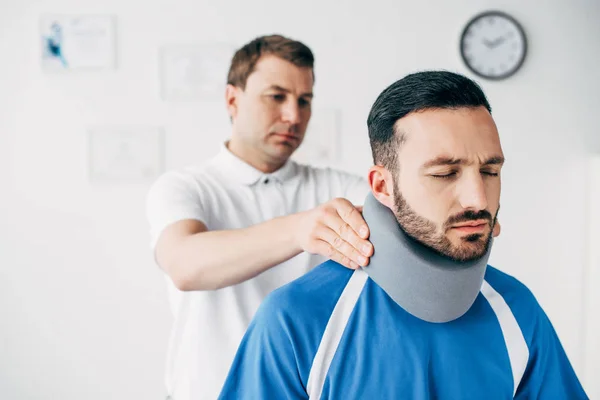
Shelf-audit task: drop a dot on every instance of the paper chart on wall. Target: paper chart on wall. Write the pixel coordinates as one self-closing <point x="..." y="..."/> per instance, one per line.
<point x="125" y="154"/>
<point x="195" y="72"/>
<point x="77" y="42"/>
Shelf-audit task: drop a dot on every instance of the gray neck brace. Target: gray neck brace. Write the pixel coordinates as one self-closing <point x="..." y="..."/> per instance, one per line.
<point x="426" y="284"/>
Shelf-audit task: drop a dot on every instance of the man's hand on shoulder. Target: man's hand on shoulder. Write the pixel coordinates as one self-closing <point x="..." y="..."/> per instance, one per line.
<point x="336" y="230"/>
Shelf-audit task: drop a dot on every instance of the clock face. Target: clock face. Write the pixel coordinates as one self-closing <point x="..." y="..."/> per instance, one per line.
<point x="493" y="45"/>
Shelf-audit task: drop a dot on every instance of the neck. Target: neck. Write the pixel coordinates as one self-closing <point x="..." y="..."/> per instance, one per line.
<point x="253" y="157"/>
<point x="430" y="286"/>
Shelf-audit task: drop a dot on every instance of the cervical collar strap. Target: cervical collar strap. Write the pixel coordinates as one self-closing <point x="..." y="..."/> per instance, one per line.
<point x="428" y="285"/>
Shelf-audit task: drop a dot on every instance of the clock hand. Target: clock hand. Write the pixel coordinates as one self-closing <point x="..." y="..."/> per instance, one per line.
<point x="498" y="41"/>
<point x="488" y="44"/>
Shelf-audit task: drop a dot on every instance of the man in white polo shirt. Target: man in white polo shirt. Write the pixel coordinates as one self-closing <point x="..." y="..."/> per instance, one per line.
<point x="231" y="230"/>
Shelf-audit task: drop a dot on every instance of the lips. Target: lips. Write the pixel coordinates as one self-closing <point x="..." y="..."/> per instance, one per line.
<point x="473" y="227"/>
<point x="288" y="136"/>
<point x="470" y="224"/>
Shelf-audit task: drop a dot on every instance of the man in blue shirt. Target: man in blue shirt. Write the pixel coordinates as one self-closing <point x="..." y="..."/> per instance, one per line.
<point x="428" y="318"/>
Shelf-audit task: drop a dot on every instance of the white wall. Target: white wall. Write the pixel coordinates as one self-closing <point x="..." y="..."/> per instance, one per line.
<point x="592" y="281"/>
<point x="83" y="311"/>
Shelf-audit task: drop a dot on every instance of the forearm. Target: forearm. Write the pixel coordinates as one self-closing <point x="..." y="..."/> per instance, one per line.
<point x="217" y="259"/>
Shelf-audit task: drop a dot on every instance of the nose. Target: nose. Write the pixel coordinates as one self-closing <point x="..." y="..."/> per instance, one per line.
<point x="291" y="112"/>
<point x="472" y="194"/>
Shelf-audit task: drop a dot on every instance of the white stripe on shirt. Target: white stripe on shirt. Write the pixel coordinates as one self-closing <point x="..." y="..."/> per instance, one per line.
<point x="518" y="353"/>
<point x="333" y="333"/>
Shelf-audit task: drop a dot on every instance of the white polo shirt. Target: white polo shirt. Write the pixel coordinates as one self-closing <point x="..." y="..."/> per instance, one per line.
<point x="227" y="193"/>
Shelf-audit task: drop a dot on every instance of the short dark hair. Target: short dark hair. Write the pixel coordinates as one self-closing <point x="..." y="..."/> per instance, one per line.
<point x="245" y="59"/>
<point x="416" y="92"/>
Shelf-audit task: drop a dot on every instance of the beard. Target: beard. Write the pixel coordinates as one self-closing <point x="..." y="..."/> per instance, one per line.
<point x="471" y="247"/>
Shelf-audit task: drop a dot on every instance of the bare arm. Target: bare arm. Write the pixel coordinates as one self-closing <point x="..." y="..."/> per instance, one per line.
<point x="198" y="259"/>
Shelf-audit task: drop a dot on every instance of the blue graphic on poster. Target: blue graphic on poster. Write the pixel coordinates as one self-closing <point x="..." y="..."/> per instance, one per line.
<point x="53" y="44"/>
<point x="77" y="41"/>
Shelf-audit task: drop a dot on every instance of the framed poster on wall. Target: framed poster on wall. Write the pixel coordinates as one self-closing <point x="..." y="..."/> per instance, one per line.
<point x="194" y="72"/>
<point x="125" y="154"/>
<point x="77" y="42"/>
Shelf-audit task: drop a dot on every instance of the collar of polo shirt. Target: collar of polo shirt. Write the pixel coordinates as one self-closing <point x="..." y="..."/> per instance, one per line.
<point x="242" y="172"/>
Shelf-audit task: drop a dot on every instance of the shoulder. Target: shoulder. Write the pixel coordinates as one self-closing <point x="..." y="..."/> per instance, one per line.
<point x="338" y="183"/>
<point x="514" y="292"/>
<point x="292" y="319"/>
<point x="277" y="352"/>
<point x="520" y="299"/>
<point x="310" y="297"/>
<point x="179" y="194"/>
<point x="295" y="316"/>
<point x="328" y="173"/>
<point x="192" y="179"/>
<point x="303" y="307"/>
<point x="181" y="176"/>
<point x="504" y="283"/>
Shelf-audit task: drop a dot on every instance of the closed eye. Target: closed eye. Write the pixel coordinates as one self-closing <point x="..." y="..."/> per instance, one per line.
<point x="489" y="173"/>
<point x="278" y="97"/>
<point x="444" y="176"/>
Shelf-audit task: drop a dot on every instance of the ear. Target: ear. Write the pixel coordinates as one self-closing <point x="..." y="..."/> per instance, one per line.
<point x="497" y="229"/>
<point x="382" y="185"/>
<point x="232" y="94"/>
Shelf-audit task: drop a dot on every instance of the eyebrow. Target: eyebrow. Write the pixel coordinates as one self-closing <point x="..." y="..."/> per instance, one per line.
<point x="282" y="89"/>
<point x="444" y="160"/>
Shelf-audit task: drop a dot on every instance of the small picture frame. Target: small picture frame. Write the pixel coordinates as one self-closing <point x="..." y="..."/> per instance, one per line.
<point x="125" y="154"/>
<point x="194" y="72"/>
<point x="70" y="42"/>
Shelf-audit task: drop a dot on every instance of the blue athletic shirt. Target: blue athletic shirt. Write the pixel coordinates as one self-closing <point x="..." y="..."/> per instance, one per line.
<point x="335" y="334"/>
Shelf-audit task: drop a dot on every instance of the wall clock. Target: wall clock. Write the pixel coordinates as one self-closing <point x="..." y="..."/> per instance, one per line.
<point x="493" y="45"/>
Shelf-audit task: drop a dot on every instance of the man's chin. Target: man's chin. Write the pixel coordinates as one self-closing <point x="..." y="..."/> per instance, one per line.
<point x="466" y="256"/>
<point x="281" y="152"/>
<point x="284" y="150"/>
<point x="469" y="251"/>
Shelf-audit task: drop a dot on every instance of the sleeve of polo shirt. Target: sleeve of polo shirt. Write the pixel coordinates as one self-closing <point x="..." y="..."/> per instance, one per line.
<point x="173" y="197"/>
